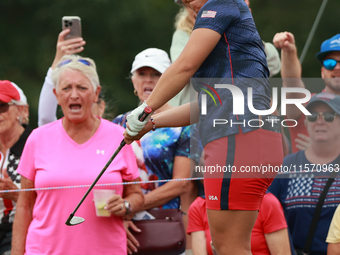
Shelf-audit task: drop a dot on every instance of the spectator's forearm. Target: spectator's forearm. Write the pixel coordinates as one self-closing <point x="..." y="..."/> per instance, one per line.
<point x="290" y="64"/>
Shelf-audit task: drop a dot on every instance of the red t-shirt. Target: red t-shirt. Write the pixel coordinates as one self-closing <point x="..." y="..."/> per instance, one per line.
<point x="270" y="219"/>
<point x="198" y="220"/>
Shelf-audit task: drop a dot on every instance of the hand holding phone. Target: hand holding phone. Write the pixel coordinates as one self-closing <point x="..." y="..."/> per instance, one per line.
<point x="74" y="24"/>
<point x="68" y="42"/>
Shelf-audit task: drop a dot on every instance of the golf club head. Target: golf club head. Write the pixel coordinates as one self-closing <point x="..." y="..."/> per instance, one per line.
<point x="74" y="220"/>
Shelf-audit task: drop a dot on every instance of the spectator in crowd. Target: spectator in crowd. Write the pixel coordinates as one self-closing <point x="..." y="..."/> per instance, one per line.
<point x="291" y="70"/>
<point x="270" y="234"/>
<point x="184" y="23"/>
<point x="72" y="151"/>
<point x="333" y="236"/>
<point x="47" y="110"/>
<point x="13" y="136"/>
<point x="165" y="151"/>
<point x="232" y="202"/>
<point x="299" y="193"/>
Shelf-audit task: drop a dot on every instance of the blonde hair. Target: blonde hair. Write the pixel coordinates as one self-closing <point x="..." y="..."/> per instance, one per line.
<point x="183" y="22"/>
<point x="75" y="62"/>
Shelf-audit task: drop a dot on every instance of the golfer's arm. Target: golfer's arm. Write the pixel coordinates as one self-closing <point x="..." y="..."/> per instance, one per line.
<point x="180" y="116"/>
<point x="201" y="43"/>
<point x="23" y="217"/>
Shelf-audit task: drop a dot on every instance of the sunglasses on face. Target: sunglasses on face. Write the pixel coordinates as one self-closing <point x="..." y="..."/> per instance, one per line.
<point x="327" y="116"/>
<point x="330" y="64"/>
<point x="83" y="61"/>
<point x="5" y="106"/>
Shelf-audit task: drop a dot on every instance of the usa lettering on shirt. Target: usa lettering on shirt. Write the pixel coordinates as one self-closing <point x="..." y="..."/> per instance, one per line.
<point x="213" y="198"/>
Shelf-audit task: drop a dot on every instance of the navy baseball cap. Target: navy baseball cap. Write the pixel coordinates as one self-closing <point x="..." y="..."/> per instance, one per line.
<point x="328" y="46"/>
<point x="332" y="100"/>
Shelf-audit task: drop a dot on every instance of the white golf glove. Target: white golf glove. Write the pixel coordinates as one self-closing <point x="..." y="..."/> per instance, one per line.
<point x="135" y="126"/>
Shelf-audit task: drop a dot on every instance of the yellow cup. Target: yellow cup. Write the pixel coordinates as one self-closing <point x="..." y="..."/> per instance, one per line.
<point x="100" y="198"/>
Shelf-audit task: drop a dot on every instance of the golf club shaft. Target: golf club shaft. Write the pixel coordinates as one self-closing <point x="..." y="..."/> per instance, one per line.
<point x="122" y="143"/>
<point x="142" y="117"/>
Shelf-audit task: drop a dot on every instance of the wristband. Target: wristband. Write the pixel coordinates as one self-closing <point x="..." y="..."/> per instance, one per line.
<point x="153" y="124"/>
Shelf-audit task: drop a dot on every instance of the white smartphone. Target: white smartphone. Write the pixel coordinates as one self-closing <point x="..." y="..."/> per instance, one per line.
<point x="74" y="24"/>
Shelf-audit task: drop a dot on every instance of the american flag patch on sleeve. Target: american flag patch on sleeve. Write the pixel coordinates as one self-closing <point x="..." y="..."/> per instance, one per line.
<point x="208" y="14"/>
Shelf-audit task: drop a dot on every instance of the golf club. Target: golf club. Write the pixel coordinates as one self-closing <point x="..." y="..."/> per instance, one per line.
<point x="75" y="220"/>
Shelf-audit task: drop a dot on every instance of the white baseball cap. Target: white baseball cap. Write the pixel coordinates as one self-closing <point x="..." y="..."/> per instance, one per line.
<point x="152" y="57"/>
<point x="23" y="99"/>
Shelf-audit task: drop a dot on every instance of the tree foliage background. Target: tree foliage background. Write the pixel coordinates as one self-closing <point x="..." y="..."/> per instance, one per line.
<point x="115" y="31"/>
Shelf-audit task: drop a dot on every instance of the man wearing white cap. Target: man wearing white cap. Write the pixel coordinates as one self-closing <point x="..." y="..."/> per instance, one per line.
<point x="13" y="135"/>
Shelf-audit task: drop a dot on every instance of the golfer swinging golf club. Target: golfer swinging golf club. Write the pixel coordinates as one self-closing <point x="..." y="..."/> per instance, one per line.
<point x="224" y="48"/>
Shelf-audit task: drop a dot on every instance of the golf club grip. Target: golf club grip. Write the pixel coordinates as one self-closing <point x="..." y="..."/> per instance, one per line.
<point x="145" y="113"/>
<point x="147" y="110"/>
<point x="143" y="116"/>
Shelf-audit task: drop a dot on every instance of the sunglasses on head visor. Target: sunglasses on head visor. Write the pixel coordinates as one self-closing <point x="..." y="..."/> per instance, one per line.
<point x="327" y="116"/>
<point x="330" y="63"/>
<point x="83" y="61"/>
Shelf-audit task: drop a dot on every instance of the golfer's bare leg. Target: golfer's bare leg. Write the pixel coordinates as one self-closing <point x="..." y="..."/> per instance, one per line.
<point x="231" y="231"/>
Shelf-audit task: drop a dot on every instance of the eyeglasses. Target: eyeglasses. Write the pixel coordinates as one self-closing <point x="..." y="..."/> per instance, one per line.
<point x="330" y="63"/>
<point x="81" y="60"/>
<point x="5" y="106"/>
<point x="327" y="116"/>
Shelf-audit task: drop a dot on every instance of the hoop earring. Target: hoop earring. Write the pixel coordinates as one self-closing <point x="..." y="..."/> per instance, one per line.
<point x="135" y="92"/>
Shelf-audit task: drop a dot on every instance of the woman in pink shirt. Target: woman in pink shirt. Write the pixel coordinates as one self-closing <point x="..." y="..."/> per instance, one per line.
<point x="70" y="152"/>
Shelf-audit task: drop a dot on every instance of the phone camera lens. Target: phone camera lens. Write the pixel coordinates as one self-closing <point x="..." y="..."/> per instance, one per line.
<point x="70" y="23"/>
